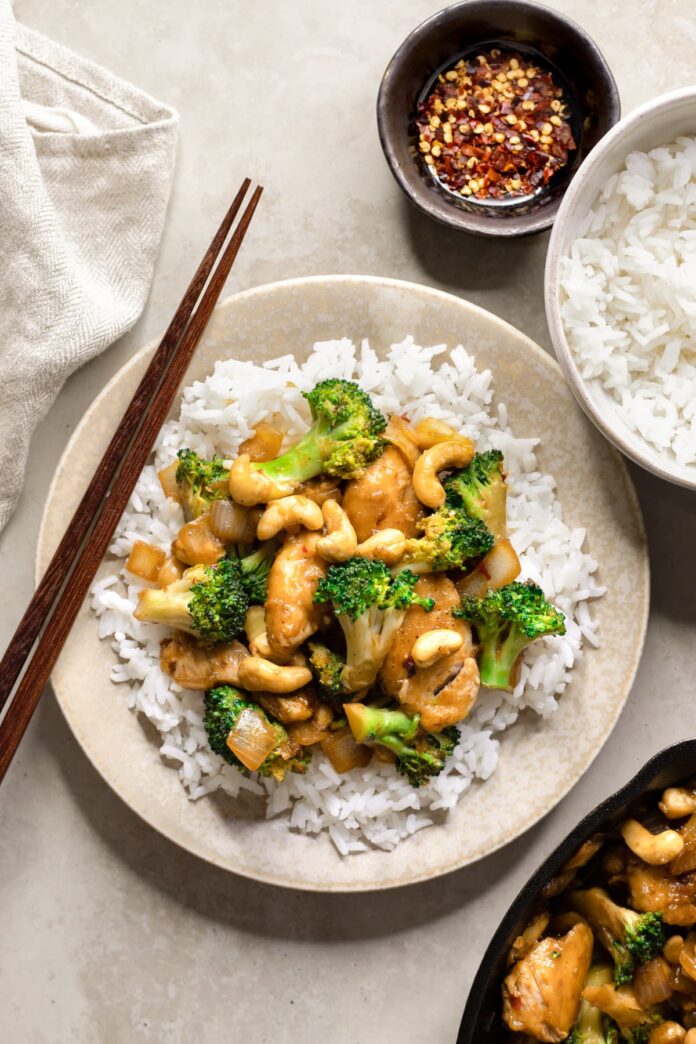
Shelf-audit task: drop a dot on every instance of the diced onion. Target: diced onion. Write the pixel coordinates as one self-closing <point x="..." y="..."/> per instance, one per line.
<point x="232" y="523"/>
<point x="652" y="982"/>
<point x="196" y="544"/>
<point x="499" y="567"/>
<point x="400" y="434"/>
<point x="252" y="739"/>
<point x="145" y="561"/>
<point x="343" y="752"/>
<point x="687" y="956"/>
<point x="167" y="477"/>
<point x="306" y="733"/>
<point x="686" y="860"/>
<point x="264" y="444"/>
<point x="170" y="571"/>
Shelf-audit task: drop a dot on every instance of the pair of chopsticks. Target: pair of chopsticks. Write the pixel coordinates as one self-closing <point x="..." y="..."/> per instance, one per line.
<point x="41" y="634"/>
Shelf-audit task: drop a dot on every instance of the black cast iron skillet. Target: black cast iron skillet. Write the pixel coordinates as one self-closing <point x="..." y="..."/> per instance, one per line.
<point x="481" y="1022"/>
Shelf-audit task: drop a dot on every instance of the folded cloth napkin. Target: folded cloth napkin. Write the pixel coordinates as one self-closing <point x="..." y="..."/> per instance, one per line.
<point x="86" y="164"/>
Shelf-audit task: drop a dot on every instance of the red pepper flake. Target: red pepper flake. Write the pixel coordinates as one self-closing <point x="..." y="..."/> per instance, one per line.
<point x="495" y="126"/>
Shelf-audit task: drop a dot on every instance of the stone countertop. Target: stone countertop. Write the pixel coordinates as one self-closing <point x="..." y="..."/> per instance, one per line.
<point x="109" y="933"/>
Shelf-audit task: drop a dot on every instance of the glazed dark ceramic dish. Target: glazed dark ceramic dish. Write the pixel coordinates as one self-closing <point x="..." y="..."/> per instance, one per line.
<point x="481" y="1022"/>
<point x="442" y="39"/>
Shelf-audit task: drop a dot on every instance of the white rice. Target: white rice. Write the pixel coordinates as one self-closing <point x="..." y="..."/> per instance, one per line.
<point x="627" y="297"/>
<point x="372" y="806"/>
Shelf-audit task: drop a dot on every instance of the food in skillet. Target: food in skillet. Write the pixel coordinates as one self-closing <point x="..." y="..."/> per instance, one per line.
<point x="261" y="410"/>
<point x="333" y="599"/>
<point x="610" y="955"/>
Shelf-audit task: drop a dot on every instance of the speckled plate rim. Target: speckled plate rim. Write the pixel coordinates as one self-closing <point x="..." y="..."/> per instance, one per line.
<point x="640" y="608"/>
<point x="613" y="141"/>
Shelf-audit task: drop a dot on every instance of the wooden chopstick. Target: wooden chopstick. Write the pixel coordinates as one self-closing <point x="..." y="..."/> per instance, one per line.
<point x="51" y="613"/>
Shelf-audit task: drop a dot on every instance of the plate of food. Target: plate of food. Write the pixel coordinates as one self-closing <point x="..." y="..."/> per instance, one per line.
<point x="377" y="600"/>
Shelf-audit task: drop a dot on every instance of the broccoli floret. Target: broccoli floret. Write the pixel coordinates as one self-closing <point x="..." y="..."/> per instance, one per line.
<point x="631" y="938"/>
<point x="418" y="755"/>
<point x="480" y="490"/>
<point x="638" y="1035"/>
<point x="326" y="666"/>
<point x="223" y="706"/>
<point x="370" y="605"/>
<point x="255" y="568"/>
<point x="592" y="1025"/>
<point x="209" y="602"/>
<point x="450" y="538"/>
<point x="506" y="621"/>
<point x="343" y="439"/>
<point x="200" y="482"/>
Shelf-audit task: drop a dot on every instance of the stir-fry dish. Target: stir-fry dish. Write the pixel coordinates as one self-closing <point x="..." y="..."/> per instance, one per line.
<point x="347" y="594"/>
<point x="610" y="954"/>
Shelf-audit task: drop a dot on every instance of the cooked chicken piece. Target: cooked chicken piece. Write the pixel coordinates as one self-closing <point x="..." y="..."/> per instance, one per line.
<point x="321" y="489"/>
<point x="291" y="613"/>
<point x="654" y="890"/>
<point x="196" y="544"/>
<point x="383" y="497"/>
<point x="444" y="693"/>
<point x="197" y="668"/>
<point x="557" y="884"/>
<point x="529" y="937"/>
<point x="298" y="707"/>
<point x="588" y="850"/>
<point x="619" y="1004"/>
<point x="542" y="993"/>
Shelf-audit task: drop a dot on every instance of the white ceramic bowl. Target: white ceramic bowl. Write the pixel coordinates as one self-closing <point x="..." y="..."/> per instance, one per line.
<point x="658" y="122"/>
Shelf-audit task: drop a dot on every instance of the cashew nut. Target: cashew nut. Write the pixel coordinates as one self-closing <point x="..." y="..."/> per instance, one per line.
<point x="287" y="512"/>
<point x="430" y="431"/>
<point x="667" y="1033"/>
<point x="340" y="541"/>
<point x="678" y="802"/>
<point x="434" y="645"/>
<point x="389" y="545"/>
<point x="257" y="640"/>
<point x="450" y="454"/>
<point x="261" y="675"/>
<point x="672" y="949"/>
<point x="249" y="486"/>
<point x="654" y="849"/>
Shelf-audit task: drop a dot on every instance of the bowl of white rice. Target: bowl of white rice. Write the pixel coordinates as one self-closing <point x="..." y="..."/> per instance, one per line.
<point x="621" y="286"/>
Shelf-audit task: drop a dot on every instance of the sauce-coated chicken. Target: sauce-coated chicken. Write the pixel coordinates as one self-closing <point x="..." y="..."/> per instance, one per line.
<point x="291" y="613"/>
<point x="444" y="693"/>
<point x="321" y="489"/>
<point x="300" y="706"/>
<point x="542" y="993"/>
<point x="197" y="668"/>
<point x="654" y="890"/>
<point x="383" y="497"/>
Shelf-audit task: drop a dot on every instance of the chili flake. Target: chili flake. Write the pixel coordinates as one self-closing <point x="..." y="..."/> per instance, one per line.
<point x="494" y="126"/>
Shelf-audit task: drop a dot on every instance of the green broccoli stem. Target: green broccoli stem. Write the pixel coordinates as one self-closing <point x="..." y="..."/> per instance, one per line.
<point x="390" y="727"/>
<point x="498" y="658"/>
<point x="302" y="461"/>
<point x="258" y="558"/>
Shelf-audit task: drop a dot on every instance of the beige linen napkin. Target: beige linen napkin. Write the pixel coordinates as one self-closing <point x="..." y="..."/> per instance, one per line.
<point x="86" y="164"/>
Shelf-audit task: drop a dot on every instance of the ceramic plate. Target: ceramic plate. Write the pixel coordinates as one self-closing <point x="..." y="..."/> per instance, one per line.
<point x="594" y="489"/>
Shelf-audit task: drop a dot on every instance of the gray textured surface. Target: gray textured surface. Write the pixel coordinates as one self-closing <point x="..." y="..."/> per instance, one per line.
<point x="108" y="932"/>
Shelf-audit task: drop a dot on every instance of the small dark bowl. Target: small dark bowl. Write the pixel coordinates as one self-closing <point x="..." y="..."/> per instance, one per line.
<point x="482" y="1022"/>
<point x="441" y="40"/>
